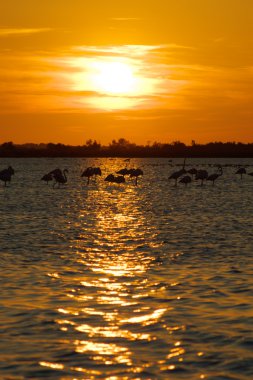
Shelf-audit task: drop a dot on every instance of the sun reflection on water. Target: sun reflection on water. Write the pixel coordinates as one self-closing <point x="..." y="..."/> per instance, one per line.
<point x="111" y="296"/>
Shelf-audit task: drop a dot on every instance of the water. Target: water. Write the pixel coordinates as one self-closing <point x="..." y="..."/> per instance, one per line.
<point x="122" y="281"/>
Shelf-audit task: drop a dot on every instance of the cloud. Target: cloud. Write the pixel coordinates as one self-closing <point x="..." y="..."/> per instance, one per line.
<point x="5" y="32"/>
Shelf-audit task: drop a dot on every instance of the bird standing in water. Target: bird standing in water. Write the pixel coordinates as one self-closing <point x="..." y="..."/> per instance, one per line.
<point x="214" y="176"/>
<point x="178" y="173"/>
<point x="59" y="176"/>
<point x="6" y="174"/>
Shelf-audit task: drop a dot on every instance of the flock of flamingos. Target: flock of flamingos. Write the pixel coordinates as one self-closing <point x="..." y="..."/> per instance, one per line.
<point x="59" y="177"/>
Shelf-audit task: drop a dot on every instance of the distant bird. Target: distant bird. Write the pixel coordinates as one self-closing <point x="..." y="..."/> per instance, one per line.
<point x="97" y="171"/>
<point x="115" y="179"/>
<point x="59" y="176"/>
<point x="201" y="175"/>
<point x="6" y="174"/>
<point x="123" y="172"/>
<point x="186" y="179"/>
<point x="47" y="178"/>
<point x="119" y="179"/>
<point x="136" y="173"/>
<point x="88" y="173"/>
<point x="241" y="171"/>
<point x="178" y="173"/>
<point x="214" y="176"/>
<point x="192" y="171"/>
<point x="110" y="178"/>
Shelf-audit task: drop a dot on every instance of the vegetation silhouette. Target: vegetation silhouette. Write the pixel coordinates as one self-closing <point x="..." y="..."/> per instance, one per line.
<point x="124" y="148"/>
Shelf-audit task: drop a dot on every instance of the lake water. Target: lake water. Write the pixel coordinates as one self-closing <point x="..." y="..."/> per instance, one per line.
<point x="122" y="281"/>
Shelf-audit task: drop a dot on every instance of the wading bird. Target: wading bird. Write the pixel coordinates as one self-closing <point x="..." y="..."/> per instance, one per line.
<point x="241" y="171"/>
<point x="214" y="176"/>
<point x="6" y="174"/>
<point x="115" y="179"/>
<point x="178" y="173"/>
<point x="123" y="172"/>
<point x="47" y="178"/>
<point x="59" y="176"/>
<point x="186" y="179"/>
<point x="136" y="173"/>
<point x="89" y="172"/>
<point x="201" y="175"/>
<point x="192" y="171"/>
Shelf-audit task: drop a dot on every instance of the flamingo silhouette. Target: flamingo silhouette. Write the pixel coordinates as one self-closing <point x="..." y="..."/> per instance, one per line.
<point x="59" y="176"/>
<point x="97" y="171"/>
<point x="135" y="173"/>
<point x="178" y="173"/>
<point x="115" y="179"/>
<point x="6" y="174"/>
<point x="241" y="171"/>
<point x="47" y="177"/>
<point x="123" y="172"/>
<point x="90" y="171"/>
<point x="214" y="176"/>
<point x="186" y="179"/>
<point x="192" y="171"/>
<point x="202" y="175"/>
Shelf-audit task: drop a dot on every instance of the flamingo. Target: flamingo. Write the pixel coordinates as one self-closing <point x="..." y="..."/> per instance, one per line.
<point x="97" y="171"/>
<point x="6" y="174"/>
<point x="192" y="171"/>
<point x="47" y="177"/>
<point x="214" y="176"/>
<point x="186" y="179"/>
<point x="202" y="175"/>
<point x="88" y="173"/>
<point x="59" y="176"/>
<point x="136" y="173"/>
<point x="178" y="173"/>
<point x="241" y="171"/>
<point x="112" y="179"/>
<point x="123" y="172"/>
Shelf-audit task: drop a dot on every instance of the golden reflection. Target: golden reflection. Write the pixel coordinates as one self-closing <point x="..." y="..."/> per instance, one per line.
<point x="117" y="354"/>
<point x="88" y="372"/>
<point x="65" y="311"/>
<point x="175" y="352"/>
<point x="113" y="332"/>
<point x="114" y="284"/>
<point x="147" y="319"/>
<point x="53" y="275"/>
<point x="52" y="365"/>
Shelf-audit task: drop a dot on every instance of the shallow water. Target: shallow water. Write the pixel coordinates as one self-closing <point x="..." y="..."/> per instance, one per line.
<point x="122" y="281"/>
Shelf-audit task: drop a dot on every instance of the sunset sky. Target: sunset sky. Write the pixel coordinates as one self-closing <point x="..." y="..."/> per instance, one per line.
<point x="145" y="70"/>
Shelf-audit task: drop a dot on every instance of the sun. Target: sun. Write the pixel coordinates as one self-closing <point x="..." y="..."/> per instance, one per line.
<point x="114" y="78"/>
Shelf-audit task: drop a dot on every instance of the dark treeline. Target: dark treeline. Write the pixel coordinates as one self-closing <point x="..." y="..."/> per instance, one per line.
<point x="124" y="148"/>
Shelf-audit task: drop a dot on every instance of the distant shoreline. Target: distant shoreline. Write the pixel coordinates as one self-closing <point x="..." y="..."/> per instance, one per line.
<point x="124" y="149"/>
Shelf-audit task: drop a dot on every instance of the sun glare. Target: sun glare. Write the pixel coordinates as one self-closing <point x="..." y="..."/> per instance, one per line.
<point x="114" y="78"/>
<point x="111" y="82"/>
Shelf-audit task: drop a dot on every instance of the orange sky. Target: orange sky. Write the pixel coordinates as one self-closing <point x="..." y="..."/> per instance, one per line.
<point x="145" y="70"/>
